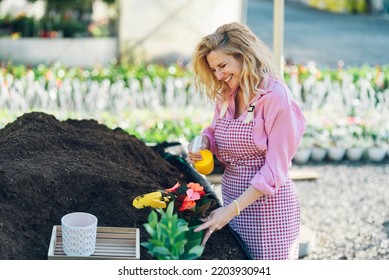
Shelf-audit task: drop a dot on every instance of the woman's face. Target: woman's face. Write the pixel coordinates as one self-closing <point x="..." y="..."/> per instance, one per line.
<point x="225" y="68"/>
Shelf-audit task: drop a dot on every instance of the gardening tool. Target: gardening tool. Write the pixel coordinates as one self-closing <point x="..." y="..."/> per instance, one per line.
<point x="153" y="199"/>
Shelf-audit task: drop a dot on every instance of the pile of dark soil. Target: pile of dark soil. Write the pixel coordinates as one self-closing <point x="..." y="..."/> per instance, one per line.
<point x="49" y="168"/>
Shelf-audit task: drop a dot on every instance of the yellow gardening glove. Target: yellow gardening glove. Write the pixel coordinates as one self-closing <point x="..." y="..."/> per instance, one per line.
<point x="153" y="199"/>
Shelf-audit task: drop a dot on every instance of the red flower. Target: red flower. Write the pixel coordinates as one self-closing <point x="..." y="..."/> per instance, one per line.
<point x="187" y="204"/>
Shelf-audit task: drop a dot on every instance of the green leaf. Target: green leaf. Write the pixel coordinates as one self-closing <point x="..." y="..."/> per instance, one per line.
<point x="195" y="252"/>
<point x="159" y="250"/>
<point x="156" y="242"/>
<point x="194" y="238"/>
<point x="153" y="219"/>
<point x="170" y="209"/>
<point x="178" y="246"/>
<point x="151" y="231"/>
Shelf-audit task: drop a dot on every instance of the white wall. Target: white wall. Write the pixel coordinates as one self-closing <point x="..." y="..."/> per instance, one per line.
<point x="150" y="30"/>
<point x="170" y="29"/>
<point x="72" y="52"/>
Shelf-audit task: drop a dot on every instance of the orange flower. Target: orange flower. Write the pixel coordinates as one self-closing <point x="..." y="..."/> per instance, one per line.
<point x="197" y="188"/>
<point x="187" y="204"/>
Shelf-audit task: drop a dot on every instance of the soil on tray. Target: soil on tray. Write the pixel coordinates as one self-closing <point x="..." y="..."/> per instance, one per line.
<point x="49" y="168"/>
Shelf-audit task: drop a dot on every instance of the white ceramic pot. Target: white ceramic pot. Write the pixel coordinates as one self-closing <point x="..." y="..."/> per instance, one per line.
<point x="302" y="155"/>
<point x="355" y="153"/>
<point x="318" y="154"/>
<point x="79" y="234"/>
<point x="336" y="153"/>
<point x="376" y="153"/>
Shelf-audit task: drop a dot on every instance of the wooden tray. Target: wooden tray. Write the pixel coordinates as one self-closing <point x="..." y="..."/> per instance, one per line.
<point x="111" y="243"/>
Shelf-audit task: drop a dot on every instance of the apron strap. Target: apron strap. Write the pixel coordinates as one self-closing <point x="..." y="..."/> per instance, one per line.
<point x="250" y="112"/>
<point x="223" y="110"/>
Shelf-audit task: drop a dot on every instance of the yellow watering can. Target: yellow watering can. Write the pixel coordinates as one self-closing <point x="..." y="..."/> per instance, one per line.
<point x="206" y="165"/>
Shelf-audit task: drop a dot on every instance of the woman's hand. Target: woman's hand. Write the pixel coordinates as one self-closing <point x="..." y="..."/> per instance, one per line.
<point x="223" y="215"/>
<point x="216" y="220"/>
<point x="194" y="156"/>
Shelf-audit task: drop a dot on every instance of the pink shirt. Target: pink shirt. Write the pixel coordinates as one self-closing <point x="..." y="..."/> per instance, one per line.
<point x="279" y="126"/>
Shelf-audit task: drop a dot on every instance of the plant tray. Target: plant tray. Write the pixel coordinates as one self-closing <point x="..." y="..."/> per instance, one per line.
<point x="112" y="243"/>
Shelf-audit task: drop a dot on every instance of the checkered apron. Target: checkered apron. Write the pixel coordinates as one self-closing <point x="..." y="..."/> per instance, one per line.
<point x="270" y="226"/>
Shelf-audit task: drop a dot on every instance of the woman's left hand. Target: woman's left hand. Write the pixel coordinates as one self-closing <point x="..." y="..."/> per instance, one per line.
<point x="196" y="156"/>
<point x="216" y="221"/>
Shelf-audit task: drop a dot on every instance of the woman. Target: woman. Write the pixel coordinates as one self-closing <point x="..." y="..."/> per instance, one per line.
<point x="255" y="132"/>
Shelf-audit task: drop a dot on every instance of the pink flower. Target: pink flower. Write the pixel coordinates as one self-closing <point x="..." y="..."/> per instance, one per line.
<point x="186" y="197"/>
<point x="192" y="195"/>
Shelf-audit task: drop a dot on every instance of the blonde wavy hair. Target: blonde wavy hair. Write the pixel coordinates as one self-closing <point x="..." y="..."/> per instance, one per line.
<point x="237" y="40"/>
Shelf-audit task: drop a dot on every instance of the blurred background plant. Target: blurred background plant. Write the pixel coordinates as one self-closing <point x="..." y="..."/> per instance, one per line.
<point x="156" y="102"/>
<point x="62" y="18"/>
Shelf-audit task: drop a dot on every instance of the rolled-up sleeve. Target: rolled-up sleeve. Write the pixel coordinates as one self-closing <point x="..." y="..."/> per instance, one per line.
<point x="284" y="126"/>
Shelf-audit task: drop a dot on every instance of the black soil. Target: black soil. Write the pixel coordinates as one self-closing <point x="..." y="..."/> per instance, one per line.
<point x="49" y="168"/>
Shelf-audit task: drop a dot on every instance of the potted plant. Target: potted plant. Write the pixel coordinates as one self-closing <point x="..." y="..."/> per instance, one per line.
<point x="303" y="153"/>
<point x="378" y="149"/>
<point x="337" y="149"/>
<point x="318" y="152"/>
<point x="355" y="153"/>
<point x="170" y="236"/>
<point x="320" y="144"/>
<point x="355" y="141"/>
<point x="173" y="237"/>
